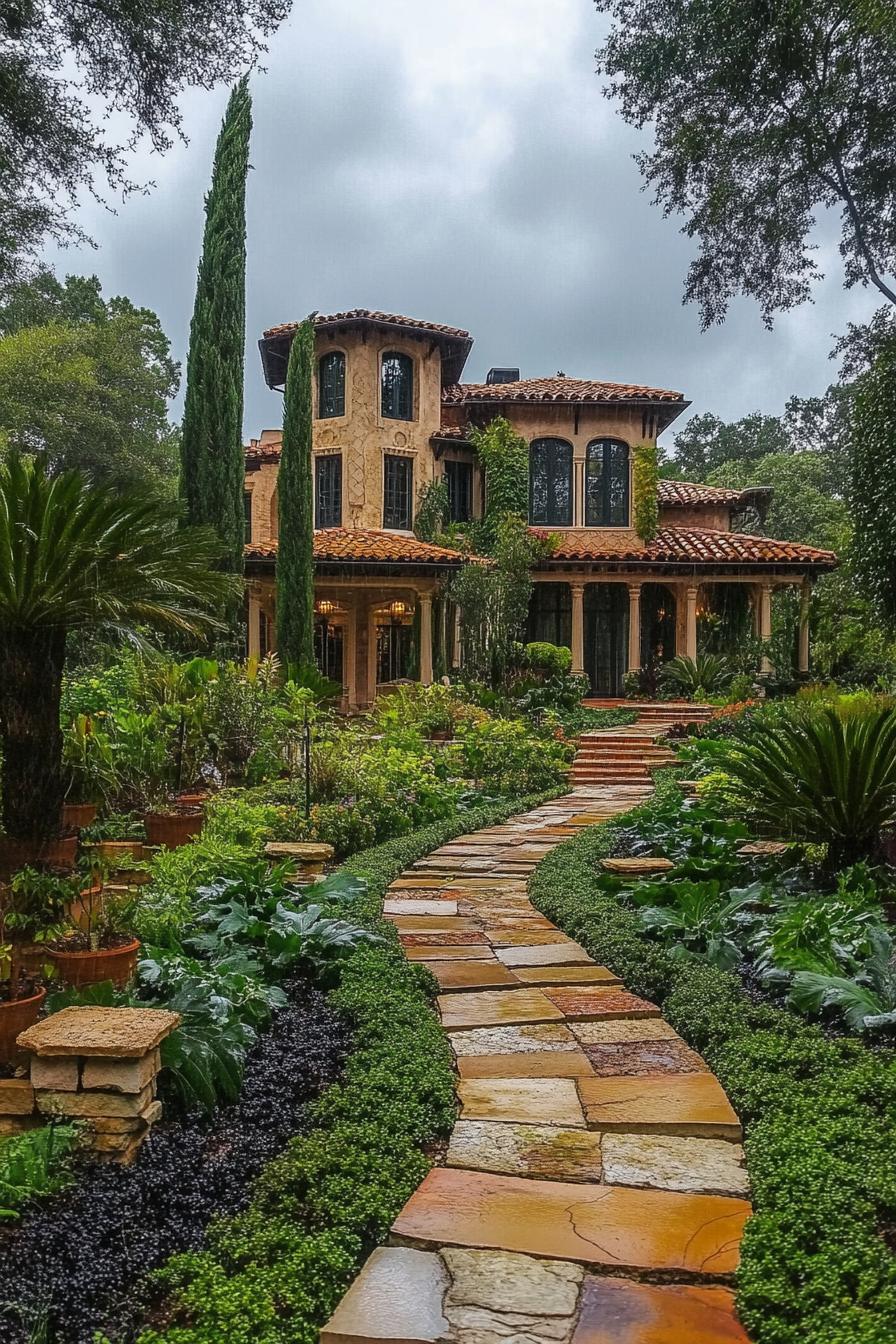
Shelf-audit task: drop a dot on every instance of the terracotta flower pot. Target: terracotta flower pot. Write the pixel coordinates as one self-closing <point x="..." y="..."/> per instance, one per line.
<point x="77" y="969"/>
<point x="192" y="800"/>
<point x="113" y="850"/>
<point x="16" y="854"/>
<point x="75" y="816"/>
<point x="33" y="957"/>
<point x="172" y="829"/>
<point x="79" y="910"/>
<point x="17" y="1016"/>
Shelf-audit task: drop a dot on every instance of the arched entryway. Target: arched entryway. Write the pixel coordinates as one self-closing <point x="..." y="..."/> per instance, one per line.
<point x="658" y="614"/>
<point x="724" y="618"/>
<point x="606" y="637"/>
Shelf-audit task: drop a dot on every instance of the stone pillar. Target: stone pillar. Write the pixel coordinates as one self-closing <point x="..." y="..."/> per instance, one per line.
<point x="350" y="656"/>
<point x="371" y="654"/>
<point x="577" y="593"/>
<point x="765" y="623"/>
<point x="803" y="658"/>
<point x="425" y="602"/>
<point x="457" y="660"/>
<point x="578" y="491"/>
<point x="634" y="627"/>
<point x="690" y="629"/>
<point x="253" y="645"/>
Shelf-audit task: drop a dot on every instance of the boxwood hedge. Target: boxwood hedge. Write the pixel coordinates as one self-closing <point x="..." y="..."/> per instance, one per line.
<point x="818" y="1263"/>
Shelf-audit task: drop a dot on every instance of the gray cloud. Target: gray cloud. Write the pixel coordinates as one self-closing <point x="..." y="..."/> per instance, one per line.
<point x="457" y="164"/>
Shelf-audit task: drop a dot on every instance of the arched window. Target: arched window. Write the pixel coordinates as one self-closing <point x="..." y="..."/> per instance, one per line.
<point x="331" y="385"/>
<point x="550" y="483"/>
<point x="397" y="386"/>
<point x="607" y="484"/>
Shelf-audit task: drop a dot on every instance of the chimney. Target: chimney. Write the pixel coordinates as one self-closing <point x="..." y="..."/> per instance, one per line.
<point x="495" y="376"/>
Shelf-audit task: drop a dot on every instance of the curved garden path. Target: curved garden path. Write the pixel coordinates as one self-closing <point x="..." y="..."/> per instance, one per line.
<point x="593" y="1190"/>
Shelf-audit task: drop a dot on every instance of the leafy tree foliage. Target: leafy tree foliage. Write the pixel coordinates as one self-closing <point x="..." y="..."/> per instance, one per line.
<point x="85" y="382"/>
<point x="505" y="460"/>
<point x="71" y="70"/>
<point x="212" y="464"/>
<point x="874" y="484"/>
<point x="765" y="115"/>
<point x="295" y="503"/>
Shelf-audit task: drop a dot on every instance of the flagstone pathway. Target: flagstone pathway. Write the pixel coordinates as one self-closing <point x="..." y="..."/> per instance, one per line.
<point x="593" y="1190"/>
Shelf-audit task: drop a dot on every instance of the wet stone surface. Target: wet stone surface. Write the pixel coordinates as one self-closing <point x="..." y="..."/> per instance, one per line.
<point x="643" y="1057"/>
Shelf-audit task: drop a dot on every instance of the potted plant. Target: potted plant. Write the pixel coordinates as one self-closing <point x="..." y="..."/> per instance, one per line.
<point x="170" y="823"/>
<point x="32" y="908"/>
<point x="117" y="836"/>
<point x="89" y="768"/>
<point x="98" y="945"/>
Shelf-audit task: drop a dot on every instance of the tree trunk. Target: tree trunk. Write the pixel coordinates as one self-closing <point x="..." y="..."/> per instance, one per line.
<point x="31" y="664"/>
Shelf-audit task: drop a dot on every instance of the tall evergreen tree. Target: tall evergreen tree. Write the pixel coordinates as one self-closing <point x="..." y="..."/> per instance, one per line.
<point x="212" y="467"/>
<point x="295" y="503"/>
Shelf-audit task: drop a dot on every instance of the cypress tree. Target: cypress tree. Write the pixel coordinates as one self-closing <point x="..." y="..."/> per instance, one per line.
<point x="295" y="504"/>
<point x="212" y="465"/>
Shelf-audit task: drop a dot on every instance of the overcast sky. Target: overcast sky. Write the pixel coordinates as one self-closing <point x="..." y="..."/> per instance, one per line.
<point x="456" y="163"/>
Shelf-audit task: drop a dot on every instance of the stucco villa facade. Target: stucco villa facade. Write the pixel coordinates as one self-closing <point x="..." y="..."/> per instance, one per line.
<point x="392" y="415"/>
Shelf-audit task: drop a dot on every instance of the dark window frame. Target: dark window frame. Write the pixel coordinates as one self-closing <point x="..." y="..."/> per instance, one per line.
<point x="459" y="484"/>
<point x="247" y="515"/>
<point x="557" y="465"/>
<point x="601" y="508"/>
<point x="398" y="494"/>
<point x="328" y="492"/>
<point x="397" y="386"/>
<point x="331" y="385"/>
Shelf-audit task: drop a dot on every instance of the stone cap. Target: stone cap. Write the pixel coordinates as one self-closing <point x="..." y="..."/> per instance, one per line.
<point x="120" y="1033"/>
<point x="310" y="852"/>
<point x="634" y="867"/>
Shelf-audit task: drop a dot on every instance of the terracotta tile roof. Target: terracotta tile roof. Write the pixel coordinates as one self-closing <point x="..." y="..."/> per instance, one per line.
<point x="458" y="432"/>
<point x="257" y="452"/>
<point x="368" y="315"/>
<point x="696" y="545"/>
<point x="359" y="545"/>
<point x="555" y="389"/>
<point x="684" y="494"/>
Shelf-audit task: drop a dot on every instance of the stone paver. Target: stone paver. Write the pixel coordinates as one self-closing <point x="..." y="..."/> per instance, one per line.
<point x="594" y="1186"/>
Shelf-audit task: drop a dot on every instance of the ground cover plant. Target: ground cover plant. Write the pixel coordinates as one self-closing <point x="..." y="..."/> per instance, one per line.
<point x="817" y="1258"/>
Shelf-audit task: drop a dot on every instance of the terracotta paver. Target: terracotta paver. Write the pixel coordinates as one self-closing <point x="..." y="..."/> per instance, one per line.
<point x="590" y="1137"/>
<point x="622" y="1229"/>
<point x="617" y="1311"/>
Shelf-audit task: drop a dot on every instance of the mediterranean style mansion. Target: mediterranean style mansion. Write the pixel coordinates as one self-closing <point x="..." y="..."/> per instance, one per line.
<point x="391" y="415"/>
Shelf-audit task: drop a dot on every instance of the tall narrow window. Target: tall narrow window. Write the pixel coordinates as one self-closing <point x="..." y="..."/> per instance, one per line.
<point x="550" y="483"/>
<point x="606" y="484"/>
<point x="328" y="491"/>
<point x="459" y="480"/>
<point x="398" y="483"/>
<point x="397" y="386"/>
<point x="247" y="515"/>
<point x="331" y="385"/>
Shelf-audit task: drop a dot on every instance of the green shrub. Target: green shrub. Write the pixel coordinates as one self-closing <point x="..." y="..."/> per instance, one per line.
<point x="695" y="678"/>
<point x="34" y="1164"/>
<point x="555" y="660"/>
<point x="505" y="756"/>
<point x="818" y="1114"/>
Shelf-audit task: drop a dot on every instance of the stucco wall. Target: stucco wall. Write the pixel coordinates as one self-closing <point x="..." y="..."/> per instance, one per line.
<point x="698" y="516"/>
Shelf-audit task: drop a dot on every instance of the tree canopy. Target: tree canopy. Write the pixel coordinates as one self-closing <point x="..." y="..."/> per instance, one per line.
<point x="72" y="70"/>
<point x="766" y="113"/>
<point x="295" y="503"/>
<point x="85" y="382"/>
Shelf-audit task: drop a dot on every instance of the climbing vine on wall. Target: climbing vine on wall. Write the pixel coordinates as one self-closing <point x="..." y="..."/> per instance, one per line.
<point x="505" y="461"/>
<point x="645" y="484"/>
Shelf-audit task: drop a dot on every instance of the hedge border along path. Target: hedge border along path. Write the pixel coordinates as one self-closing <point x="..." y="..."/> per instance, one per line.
<point x="817" y="1258"/>
<point x="593" y="1185"/>
<point x="273" y="1274"/>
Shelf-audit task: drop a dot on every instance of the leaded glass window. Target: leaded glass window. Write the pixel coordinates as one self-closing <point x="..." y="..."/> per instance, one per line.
<point x="398" y="482"/>
<point x="607" y="484"/>
<point x="328" y="491"/>
<point x="459" y="480"/>
<point x="550" y="483"/>
<point x="331" y="385"/>
<point x="397" y="391"/>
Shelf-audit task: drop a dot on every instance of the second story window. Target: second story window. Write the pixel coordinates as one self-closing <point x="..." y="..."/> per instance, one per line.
<point x="459" y="480"/>
<point x="398" y="485"/>
<point x="606" y="484"/>
<point x="247" y="515"/>
<point x="397" y="387"/>
<point x="328" y="491"/>
<point x="331" y="385"/>
<point x="550" y="483"/>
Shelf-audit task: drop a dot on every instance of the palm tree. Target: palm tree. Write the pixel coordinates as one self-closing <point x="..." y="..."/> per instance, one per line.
<point x="74" y="557"/>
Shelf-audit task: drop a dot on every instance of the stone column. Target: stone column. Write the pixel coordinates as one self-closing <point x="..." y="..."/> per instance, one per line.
<point x="803" y="658"/>
<point x="371" y="653"/>
<point x="765" y="623"/>
<point x="577" y="593"/>
<point x="634" y="627"/>
<point x="578" y="491"/>
<point x="690" y="636"/>
<point x="457" y="660"/>
<point x="425" y="602"/>
<point x="350" y="656"/>
<point x="253" y="643"/>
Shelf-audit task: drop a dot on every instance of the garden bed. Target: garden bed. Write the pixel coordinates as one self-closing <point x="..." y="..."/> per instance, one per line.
<point x="817" y="1258"/>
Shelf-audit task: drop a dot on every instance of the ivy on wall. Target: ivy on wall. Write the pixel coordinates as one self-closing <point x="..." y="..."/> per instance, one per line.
<point x="645" y="486"/>
<point x="505" y="461"/>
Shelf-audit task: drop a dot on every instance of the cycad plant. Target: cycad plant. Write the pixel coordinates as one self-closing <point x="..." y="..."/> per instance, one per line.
<point x="821" y="775"/>
<point x="695" y="678"/>
<point x="73" y="557"/>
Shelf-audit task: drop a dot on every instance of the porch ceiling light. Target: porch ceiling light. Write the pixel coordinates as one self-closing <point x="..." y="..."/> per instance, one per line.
<point x="398" y="608"/>
<point x="324" y="607"/>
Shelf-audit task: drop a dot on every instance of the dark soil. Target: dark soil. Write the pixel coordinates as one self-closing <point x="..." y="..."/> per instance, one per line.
<point x="77" y="1264"/>
<point x="26" y="987"/>
<point x="80" y="942"/>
